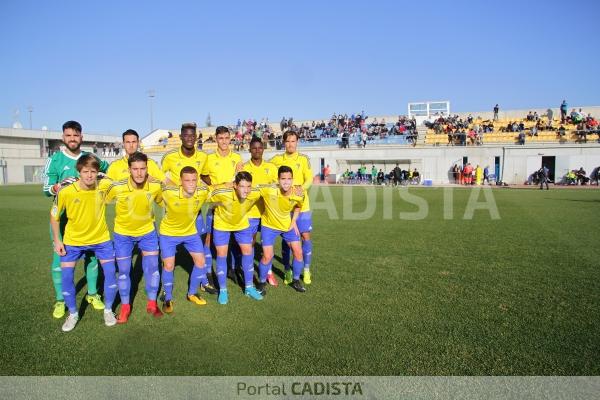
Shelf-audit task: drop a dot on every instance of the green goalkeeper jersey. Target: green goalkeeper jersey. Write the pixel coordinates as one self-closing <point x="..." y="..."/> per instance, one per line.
<point x="61" y="165"/>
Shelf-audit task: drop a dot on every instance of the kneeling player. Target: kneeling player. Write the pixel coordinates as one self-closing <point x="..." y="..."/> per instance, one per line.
<point x="86" y="231"/>
<point x="134" y="225"/>
<point x="182" y="204"/>
<point x="231" y="216"/>
<point x="280" y="201"/>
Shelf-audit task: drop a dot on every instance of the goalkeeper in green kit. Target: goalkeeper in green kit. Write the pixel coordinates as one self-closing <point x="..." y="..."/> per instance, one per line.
<point x="60" y="171"/>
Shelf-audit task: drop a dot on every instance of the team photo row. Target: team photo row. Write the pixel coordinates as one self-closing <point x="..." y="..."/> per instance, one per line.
<point x="214" y="206"/>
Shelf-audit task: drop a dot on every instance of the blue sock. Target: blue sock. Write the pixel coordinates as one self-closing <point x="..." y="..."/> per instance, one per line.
<point x="307" y="252"/>
<point x="285" y="254"/>
<point x="297" y="266"/>
<point x="222" y="272"/>
<point x="195" y="279"/>
<point x="68" y="288"/>
<point x="151" y="275"/>
<point x="110" y="284"/>
<point x="167" y="279"/>
<point x="207" y="265"/>
<point x="124" y="279"/>
<point x="263" y="270"/>
<point x="248" y="268"/>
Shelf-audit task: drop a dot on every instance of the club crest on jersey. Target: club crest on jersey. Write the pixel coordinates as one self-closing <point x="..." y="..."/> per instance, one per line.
<point x="77" y="201"/>
<point x="148" y="196"/>
<point x="298" y="166"/>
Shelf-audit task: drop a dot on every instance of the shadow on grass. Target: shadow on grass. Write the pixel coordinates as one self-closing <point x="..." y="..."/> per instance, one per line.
<point x="577" y="200"/>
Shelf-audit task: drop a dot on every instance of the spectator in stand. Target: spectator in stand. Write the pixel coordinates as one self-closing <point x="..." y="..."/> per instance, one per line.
<point x="533" y="131"/>
<point x="496" y="110"/>
<point x="521" y="138"/>
<point x="563" y="111"/>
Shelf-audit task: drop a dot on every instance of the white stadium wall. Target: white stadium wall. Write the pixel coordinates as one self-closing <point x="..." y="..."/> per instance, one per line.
<point x="435" y="163"/>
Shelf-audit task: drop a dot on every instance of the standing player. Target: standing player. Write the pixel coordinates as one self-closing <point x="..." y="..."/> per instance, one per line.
<point x="300" y="166"/>
<point x="263" y="173"/>
<point x="182" y="204"/>
<point x="220" y="168"/>
<point x="280" y="202"/>
<point x="134" y="225"/>
<point x="232" y="205"/>
<point x="86" y="230"/>
<point x="120" y="169"/>
<point x="172" y="163"/>
<point x="59" y="167"/>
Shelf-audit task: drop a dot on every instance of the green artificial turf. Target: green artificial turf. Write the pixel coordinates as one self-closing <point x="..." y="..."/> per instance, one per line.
<point x="518" y="295"/>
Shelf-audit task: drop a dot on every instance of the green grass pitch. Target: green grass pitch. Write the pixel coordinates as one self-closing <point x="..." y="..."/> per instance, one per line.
<point x="519" y="295"/>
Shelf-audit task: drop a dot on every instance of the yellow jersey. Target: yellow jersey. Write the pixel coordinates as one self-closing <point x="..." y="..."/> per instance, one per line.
<point x="119" y="170"/>
<point x="86" y="211"/>
<point x="263" y="174"/>
<point x="134" y="211"/>
<point x="278" y="208"/>
<point x="173" y="162"/>
<point x="231" y="214"/>
<point x="221" y="169"/>
<point x="300" y="165"/>
<point x="181" y="211"/>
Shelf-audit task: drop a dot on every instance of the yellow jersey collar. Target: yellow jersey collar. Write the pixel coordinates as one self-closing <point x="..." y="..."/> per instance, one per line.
<point x="220" y="156"/>
<point x="131" y="184"/>
<point x="184" y="156"/>
<point x="181" y="195"/>
<point x="293" y="156"/>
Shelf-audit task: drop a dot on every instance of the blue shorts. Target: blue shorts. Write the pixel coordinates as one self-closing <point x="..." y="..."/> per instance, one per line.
<point x="103" y="251"/>
<point x="221" y="238"/>
<point x="304" y="221"/>
<point x="168" y="245"/>
<point x="268" y="235"/>
<point x="254" y="225"/>
<point x="124" y="244"/>
<point x="200" y="227"/>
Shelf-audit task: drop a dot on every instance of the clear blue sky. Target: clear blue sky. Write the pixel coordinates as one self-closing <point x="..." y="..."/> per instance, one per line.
<point x="94" y="61"/>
